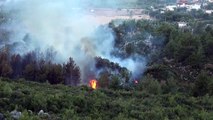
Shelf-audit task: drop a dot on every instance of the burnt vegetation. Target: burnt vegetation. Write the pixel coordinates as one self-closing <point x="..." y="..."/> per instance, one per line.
<point x="30" y="68"/>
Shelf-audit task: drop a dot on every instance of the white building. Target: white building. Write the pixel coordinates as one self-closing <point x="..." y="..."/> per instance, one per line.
<point x="182" y="24"/>
<point x="208" y="11"/>
<point x="211" y="1"/>
<point x="171" y="7"/>
<point x="194" y="7"/>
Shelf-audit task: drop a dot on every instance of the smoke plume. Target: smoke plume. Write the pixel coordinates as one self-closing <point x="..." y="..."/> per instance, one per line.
<point x="64" y="26"/>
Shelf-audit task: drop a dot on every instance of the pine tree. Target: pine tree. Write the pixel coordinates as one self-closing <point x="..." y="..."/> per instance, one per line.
<point x="71" y="73"/>
<point x="5" y="67"/>
<point x="16" y="65"/>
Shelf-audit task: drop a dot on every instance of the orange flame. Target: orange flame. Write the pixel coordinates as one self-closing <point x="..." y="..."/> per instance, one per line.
<point x="93" y="84"/>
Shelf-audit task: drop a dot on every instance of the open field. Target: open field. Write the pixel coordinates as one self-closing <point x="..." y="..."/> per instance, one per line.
<point x="105" y="15"/>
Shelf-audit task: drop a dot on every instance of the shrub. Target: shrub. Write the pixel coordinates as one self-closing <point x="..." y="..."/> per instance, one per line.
<point x="104" y="80"/>
<point x="114" y="83"/>
<point x="150" y="85"/>
<point x="7" y="89"/>
<point x="160" y="72"/>
<point x="203" y="84"/>
<point x="170" y="86"/>
<point x="27" y="116"/>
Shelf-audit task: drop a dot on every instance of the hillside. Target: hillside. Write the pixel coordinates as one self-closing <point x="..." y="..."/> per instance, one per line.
<point x="63" y="102"/>
<point x="159" y="68"/>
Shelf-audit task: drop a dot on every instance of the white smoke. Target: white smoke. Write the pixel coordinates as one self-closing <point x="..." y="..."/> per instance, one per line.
<point x="64" y="26"/>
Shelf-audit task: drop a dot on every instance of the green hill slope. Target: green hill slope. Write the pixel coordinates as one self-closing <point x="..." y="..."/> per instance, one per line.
<point x="63" y="102"/>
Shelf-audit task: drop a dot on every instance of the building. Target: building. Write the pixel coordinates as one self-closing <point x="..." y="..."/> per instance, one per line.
<point x="182" y="24"/>
<point x="208" y="11"/>
<point x="182" y="2"/>
<point x="211" y="1"/>
<point x="194" y="7"/>
<point x="171" y="7"/>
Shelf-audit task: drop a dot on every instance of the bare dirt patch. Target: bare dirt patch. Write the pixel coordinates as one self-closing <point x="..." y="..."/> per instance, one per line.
<point x="104" y="15"/>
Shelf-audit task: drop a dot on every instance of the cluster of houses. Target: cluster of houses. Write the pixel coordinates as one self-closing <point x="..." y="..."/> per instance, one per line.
<point x="190" y="5"/>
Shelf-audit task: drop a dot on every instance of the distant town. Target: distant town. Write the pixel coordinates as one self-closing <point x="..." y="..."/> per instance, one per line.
<point x="189" y="5"/>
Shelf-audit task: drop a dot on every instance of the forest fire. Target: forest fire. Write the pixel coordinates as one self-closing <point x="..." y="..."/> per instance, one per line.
<point x="93" y="84"/>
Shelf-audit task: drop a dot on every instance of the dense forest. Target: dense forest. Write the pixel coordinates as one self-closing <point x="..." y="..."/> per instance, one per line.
<point x="176" y="84"/>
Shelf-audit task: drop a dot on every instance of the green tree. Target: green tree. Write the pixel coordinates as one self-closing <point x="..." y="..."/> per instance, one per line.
<point x="203" y="84"/>
<point x="208" y="46"/>
<point x="103" y="81"/>
<point x="55" y="74"/>
<point x="16" y="65"/>
<point x="31" y="71"/>
<point x="72" y="73"/>
<point x="5" y="67"/>
<point x="6" y="70"/>
<point x="114" y="83"/>
<point x="197" y="57"/>
<point x="150" y="85"/>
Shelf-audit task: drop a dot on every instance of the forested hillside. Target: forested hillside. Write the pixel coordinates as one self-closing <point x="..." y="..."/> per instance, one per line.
<point x="149" y="100"/>
<point x="148" y="69"/>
